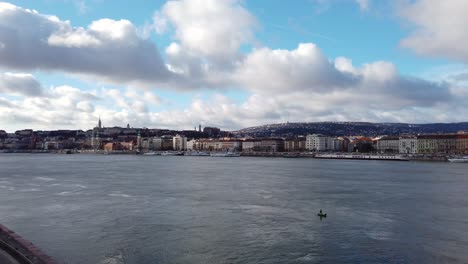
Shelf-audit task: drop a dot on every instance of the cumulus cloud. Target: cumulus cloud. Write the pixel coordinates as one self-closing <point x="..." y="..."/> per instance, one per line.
<point x="306" y="69"/>
<point x="211" y="28"/>
<point x="110" y="50"/>
<point x="19" y="84"/>
<point x="207" y="36"/>
<point x="70" y="107"/>
<point x="301" y="83"/>
<point x="439" y="28"/>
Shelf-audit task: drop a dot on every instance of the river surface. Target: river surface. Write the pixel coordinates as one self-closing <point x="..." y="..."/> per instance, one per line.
<point x="112" y="209"/>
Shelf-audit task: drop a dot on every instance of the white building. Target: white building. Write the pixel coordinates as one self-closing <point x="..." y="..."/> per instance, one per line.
<point x="179" y="143"/>
<point x="408" y="144"/>
<point x="191" y="144"/>
<point x="318" y="142"/>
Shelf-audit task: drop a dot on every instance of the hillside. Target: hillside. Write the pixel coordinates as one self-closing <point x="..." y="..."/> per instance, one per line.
<point x="350" y="128"/>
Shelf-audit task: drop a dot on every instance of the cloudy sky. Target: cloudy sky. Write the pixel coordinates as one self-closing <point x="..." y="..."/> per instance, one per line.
<point x="229" y="63"/>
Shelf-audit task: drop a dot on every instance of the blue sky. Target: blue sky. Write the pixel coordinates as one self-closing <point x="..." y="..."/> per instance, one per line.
<point x="249" y="70"/>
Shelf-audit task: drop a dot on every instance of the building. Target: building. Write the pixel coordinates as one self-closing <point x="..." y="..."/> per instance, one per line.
<point x="440" y="143"/>
<point x="156" y="143"/>
<point x="338" y="144"/>
<point x="462" y="143"/>
<point x="146" y="144"/>
<point x="361" y="144"/>
<point x="191" y="144"/>
<point x="272" y="145"/>
<point x="51" y="145"/>
<point x="427" y="144"/>
<point x="295" y="144"/>
<point x="408" y="144"/>
<point x="229" y="144"/>
<point x="119" y="146"/>
<point x="319" y="143"/>
<point x="388" y="144"/>
<point x="179" y="143"/>
<point x="95" y="140"/>
<point x="206" y="144"/>
<point x="251" y="145"/>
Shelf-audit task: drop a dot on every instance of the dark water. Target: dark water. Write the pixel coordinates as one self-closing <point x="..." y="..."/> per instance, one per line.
<point x="138" y="209"/>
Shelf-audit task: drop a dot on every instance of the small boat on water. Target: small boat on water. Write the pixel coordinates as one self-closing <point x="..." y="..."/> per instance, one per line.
<point x="172" y="153"/>
<point x="197" y="154"/>
<point x="321" y="214"/>
<point x="152" y="153"/>
<point x="459" y="160"/>
<point x="360" y="156"/>
<point x="226" y="154"/>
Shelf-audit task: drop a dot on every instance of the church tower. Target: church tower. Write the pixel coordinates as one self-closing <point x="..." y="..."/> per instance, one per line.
<point x="99" y="123"/>
<point x="139" y="141"/>
<point x="95" y="140"/>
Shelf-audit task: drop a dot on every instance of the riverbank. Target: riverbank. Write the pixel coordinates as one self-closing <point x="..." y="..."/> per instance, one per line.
<point x="410" y="157"/>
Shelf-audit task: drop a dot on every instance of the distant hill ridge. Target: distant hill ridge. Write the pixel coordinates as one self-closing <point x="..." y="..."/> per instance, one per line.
<point x="350" y="128"/>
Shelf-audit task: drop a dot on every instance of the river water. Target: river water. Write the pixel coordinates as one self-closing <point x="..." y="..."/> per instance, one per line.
<point x="147" y="209"/>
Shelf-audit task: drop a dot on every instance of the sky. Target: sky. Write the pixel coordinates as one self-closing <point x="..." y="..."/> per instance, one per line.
<point x="230" y="63"/>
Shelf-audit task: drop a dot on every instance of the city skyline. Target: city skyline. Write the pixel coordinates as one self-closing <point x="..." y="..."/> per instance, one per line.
<point x="230" y="64"/>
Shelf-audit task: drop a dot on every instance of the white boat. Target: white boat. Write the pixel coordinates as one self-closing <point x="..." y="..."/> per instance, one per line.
<point x="197" y="154"/>
<point x="459" y="160"/>
<point x="152" y="153"/>
<point x="361" y="157"/>
<point x="172" y="153"/>
<point x="225" y="154"/>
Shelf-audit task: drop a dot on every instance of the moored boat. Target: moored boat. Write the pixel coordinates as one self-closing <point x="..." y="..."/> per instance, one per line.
<point x="361" y="157"/>
<point x="226" y="154"/>
<point x="152" y="153"/>
<point x="197" y="154"/>
<point x="459" y="160"/>
<point x="172" y="153"/>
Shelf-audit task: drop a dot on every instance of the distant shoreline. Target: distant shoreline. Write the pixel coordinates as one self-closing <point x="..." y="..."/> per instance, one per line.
<point x="412" y="157"/>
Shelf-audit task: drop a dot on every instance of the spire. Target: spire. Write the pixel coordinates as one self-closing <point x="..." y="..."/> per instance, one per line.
<point x="99" y="122"/>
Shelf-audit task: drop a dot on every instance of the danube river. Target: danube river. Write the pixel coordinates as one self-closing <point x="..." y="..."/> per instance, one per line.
<point x="150" y="209"/>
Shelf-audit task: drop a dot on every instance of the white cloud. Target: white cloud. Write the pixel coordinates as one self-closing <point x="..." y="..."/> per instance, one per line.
<point x="302" y="83"/>
<point x="304" y="68"/>
<point x="321" y="6"/>
<point x="108" y="50"/>
<point x="210" y="28"/>
<point x="78" y="38"/>
<point x="363" y="4"/>
<point x="439" y="28"/>
<point x="19" y="84"/>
